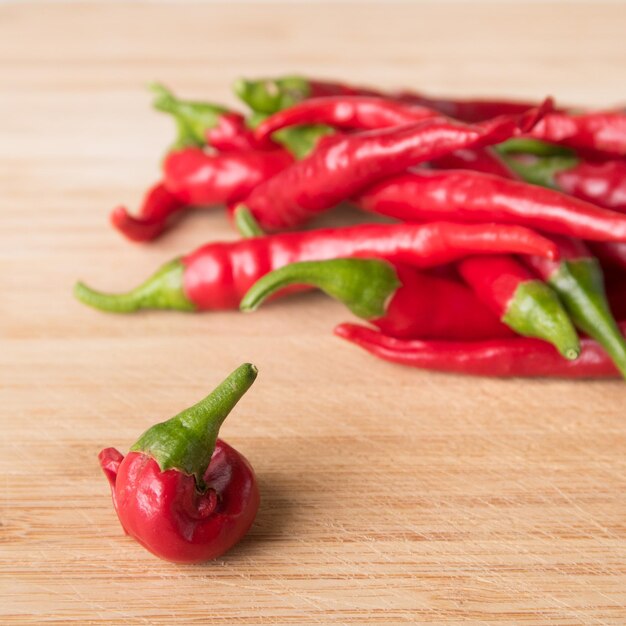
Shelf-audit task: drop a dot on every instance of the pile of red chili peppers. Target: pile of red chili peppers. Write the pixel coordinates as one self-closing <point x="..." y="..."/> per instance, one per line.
<point x="504" y="255"/>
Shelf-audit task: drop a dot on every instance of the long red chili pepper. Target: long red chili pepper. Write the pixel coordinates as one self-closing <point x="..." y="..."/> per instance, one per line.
<point x="398" y="299"/>
<point x="195" y="178"/>
<point x="342" y="166"/>
<point x="345" y="112"/>
<point x="271" y="95"/>
<point x="369" y="113"/>
<point x="474" y="196"/>
<point x="577" y="279"/>
<point x="522" y="302"/>
<point x="603" y="184"/>
<point x="216" y="276"/>
<point x="518" y="356"/>
<point x="181" y="492"/>
<point x="602" y="132"/>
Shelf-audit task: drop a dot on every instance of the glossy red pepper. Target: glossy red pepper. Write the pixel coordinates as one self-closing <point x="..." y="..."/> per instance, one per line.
<point x="474" y="197"/>
<point x="578" y="281"/>
<point x="603" y="184"/>
<point x="216" y="276"/>
<point x="341" y="166"/>
<point x="345" y="112"/>
<point x="518" y="356"/>
<point x="271" y="95"/>
<point x="182" y="493"/>
<point x="522" y="302"/>
<point x="602" y="132"/>
<point x="194" y="178"/>
<point x="398" y="299"/>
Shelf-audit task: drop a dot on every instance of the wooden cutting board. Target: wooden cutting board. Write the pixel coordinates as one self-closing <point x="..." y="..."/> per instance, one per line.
<point x="389" y="495"/>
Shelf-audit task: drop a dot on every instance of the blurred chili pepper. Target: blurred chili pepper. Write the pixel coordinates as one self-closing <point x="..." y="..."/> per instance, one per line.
<point x="216" y="276"/>
<point x="519" y="356"/>
<point x="474" y="196"/>
<point x="194" y="178"/>
<point x="271" y="95"/>
<point x="182" y="493"/>
<point x="577" y="279"/>
<point x="485" y="161"/>
<point x="522" y="302"/>
<point x="398" y="299"/>
<point x="341" y="166"/>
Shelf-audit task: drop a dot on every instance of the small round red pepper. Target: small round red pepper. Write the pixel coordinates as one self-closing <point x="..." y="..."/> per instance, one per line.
<point x="182" y="493"/>
<point x="398" y="299"/>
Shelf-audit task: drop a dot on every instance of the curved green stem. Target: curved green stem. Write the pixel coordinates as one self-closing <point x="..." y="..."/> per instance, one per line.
<point x="163" y="290"/>
<point x="540" y="171"/>
<point x="193" y="119"/>
<point x="363" y="285"/>
<point x="246" y="223"/>
<point x="186" y="441"/>
<point x="580" y="286"/>
<point x="536" y="311"/>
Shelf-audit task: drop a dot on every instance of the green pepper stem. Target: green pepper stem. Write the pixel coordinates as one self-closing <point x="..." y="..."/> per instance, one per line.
<point x="186" y="441"/>
<point x="271" y="95"/>
<point x="363" y="285"/>
<point x="246" y="223"/>
<point x="537" y="147"/>
<point x="536" y="311"/>
<point x="193" y="119"/>
<point x="540" y="171"/>
<point x="163" y="290"/>
<point x="580" y="285"/>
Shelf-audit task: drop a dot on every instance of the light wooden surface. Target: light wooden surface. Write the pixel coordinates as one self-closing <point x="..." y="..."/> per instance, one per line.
<point x="389" y="495"/>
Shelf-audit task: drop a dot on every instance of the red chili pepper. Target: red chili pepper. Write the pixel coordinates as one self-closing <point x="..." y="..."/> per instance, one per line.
<point x="195" y="178"/>
<point x="603" y="184"/>
<point x="346" y="112"/>
<point x="578" y="281"/>
<point x="370" y="113"/>
<point x="522" y="302"/>
<point x="485" y="161"/>
<point x="182" y="493"/>
<point x="602" y="132"/>
<point x="271" y="95"/>
<point x="216" y="276"/>
<point x="518" y="356"/>
<point x="474" y="196"/>
<point x="341" y="166"/>
<point x="398" y="299"/>
<point x="200" y="123"/>
<point x="610" y="254"/>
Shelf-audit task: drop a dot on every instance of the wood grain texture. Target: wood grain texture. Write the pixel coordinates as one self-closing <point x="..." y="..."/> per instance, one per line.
<point x="389" y="495"/>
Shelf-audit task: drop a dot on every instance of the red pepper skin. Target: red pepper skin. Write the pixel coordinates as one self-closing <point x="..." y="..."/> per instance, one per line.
<point x="194" y="178"/>
<point x="610" y="254"/>
<point x="484" y="161"/>
<point x="157" y="207"/>
<point x="202" y="179"/>
<point x="341" y="166"/>
<point x="601" y="183"/>
<point x="601" y="132"/>
<point x="165" y="513"/>
<point x="345" y="112"/>
<point x="474" y="197"/>
<point x="218" y="275"/>
<point x="231" y="134"/>
<point x="516" y="357"/>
